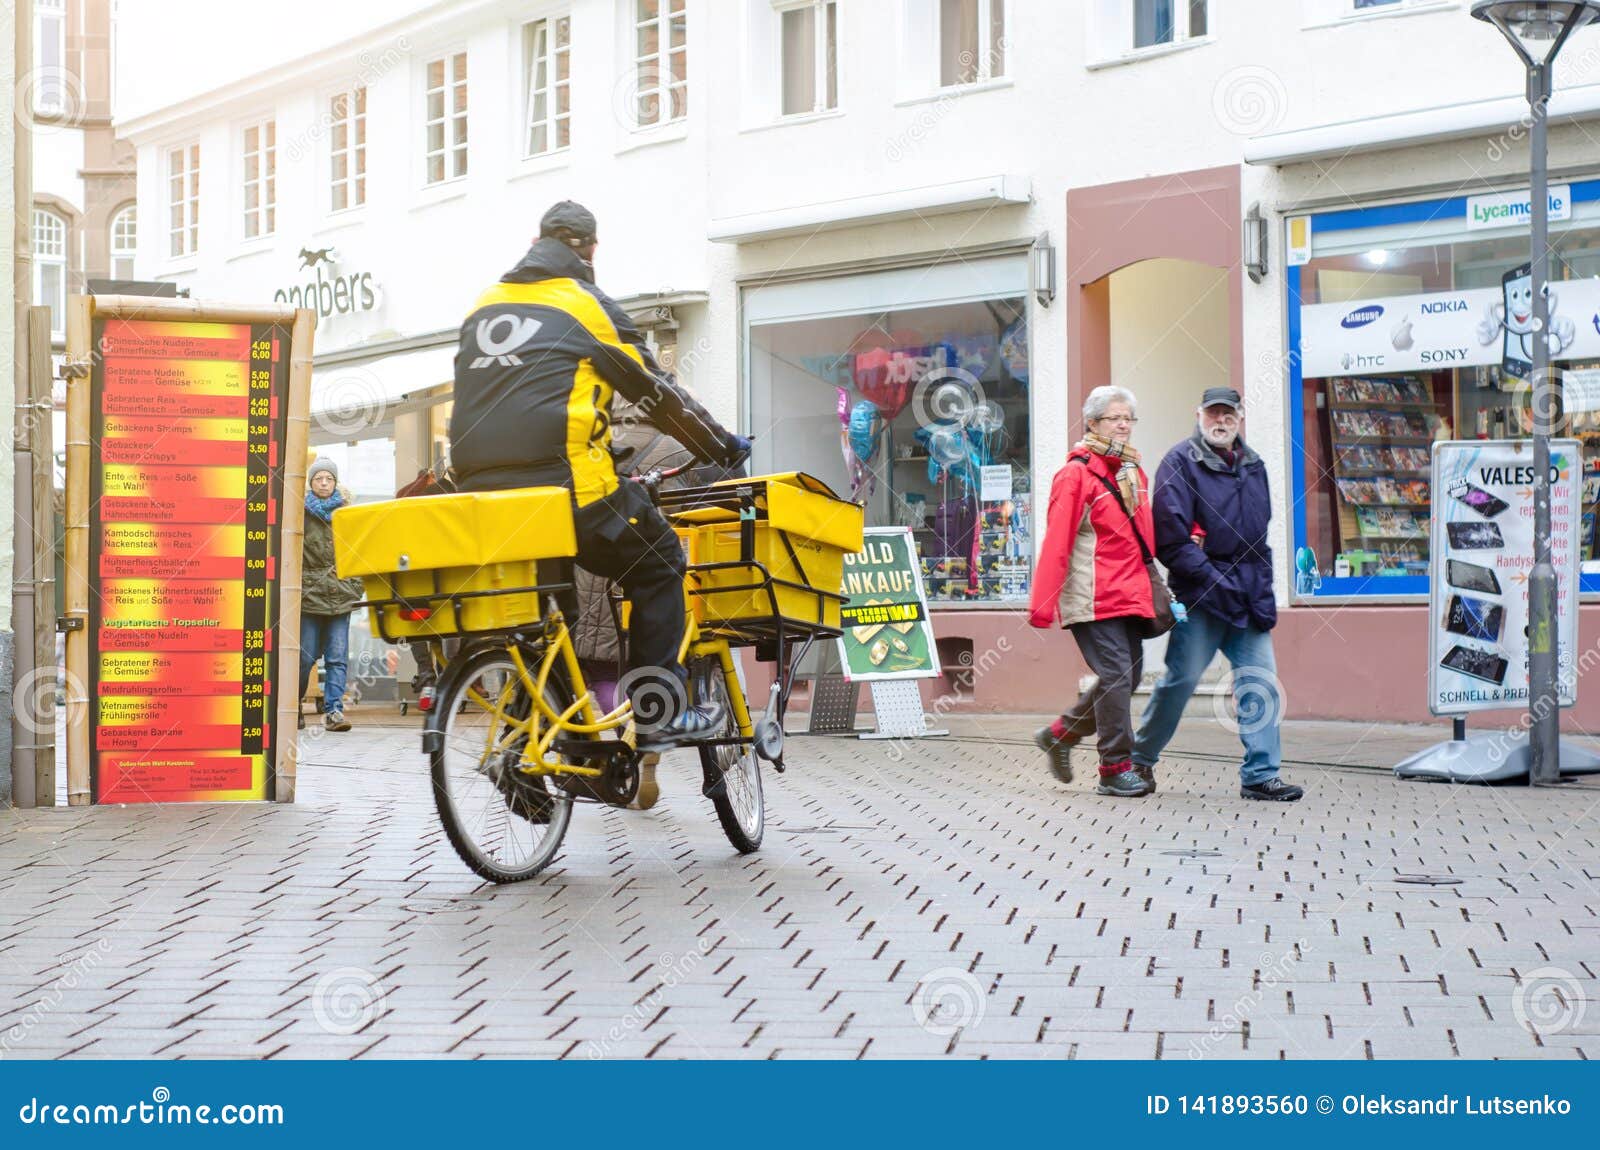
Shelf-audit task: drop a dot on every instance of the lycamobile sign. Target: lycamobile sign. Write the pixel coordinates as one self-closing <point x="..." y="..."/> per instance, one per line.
<point x="1514" y="209"/>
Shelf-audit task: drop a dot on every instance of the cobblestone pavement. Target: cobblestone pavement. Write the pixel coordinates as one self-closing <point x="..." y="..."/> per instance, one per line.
<point x="941" y="897"/>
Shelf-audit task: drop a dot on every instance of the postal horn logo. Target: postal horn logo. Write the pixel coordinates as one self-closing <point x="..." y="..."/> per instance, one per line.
<point x="1362" y="316"/>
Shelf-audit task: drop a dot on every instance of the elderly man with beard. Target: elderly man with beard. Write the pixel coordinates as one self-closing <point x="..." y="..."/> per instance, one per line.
<point x="1212" y="511"/>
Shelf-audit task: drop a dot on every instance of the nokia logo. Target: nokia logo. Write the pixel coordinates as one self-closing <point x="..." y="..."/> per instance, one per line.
<point x="499" y="336"/>
<point x="1444" y="305"/>
<point x="1362" y="316"/>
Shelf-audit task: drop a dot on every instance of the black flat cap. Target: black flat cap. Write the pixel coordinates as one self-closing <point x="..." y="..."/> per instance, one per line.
<point x="1221" y="396"/>
<point x="569" y="220"/>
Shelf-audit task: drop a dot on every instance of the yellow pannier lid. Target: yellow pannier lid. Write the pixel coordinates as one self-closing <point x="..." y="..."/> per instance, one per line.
<point x="464" y="530"/>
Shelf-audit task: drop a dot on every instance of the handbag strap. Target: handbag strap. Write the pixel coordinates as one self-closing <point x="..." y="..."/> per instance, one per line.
<point x="1116" y="494"/>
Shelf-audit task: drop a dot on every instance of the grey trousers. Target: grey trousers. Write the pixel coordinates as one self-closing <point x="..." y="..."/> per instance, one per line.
<point x="1115" y="653"/>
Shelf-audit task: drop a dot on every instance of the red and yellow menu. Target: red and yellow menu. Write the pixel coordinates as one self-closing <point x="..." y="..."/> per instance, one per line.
<point x="186" y="493"/>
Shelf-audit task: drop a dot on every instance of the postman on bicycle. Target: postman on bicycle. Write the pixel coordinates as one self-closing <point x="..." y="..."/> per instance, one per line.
<point x="540" y="357"/>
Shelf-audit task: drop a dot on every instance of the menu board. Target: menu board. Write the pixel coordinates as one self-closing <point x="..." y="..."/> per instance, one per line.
<point x="186" y="444"/>
<point x="1481" y="558"/>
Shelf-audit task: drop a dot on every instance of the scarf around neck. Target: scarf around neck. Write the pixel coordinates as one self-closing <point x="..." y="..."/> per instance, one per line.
<point x="1127" y="472"/>
<point x="323" y="509"/>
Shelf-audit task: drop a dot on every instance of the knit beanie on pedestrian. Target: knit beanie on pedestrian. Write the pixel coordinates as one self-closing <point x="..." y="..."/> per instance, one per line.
<point x="321" y="464"/>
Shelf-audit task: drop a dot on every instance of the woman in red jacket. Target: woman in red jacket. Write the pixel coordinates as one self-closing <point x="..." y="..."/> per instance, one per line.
<point x="1091" y="579"/>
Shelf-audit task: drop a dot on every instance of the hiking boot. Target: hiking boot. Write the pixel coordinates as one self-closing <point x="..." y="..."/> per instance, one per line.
<point x="1057" y="751"/>
<point x="1147" y="772"/>
<point x="692" y="726"/>
<point x="335" y="721"/>
<point x="1274" y="790"/>
<point x="1122" y="782"/>
<point x="649" y="790"/>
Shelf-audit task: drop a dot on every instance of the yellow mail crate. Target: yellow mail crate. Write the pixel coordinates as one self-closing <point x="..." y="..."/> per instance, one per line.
<point x="479" y="545"/>
<point x="801" y="534"/>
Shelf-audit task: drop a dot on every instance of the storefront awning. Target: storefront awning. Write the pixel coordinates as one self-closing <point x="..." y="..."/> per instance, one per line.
<point x="355" y="393"/>
<point x="1423" y="126"/>
<point x="935" y="199"/>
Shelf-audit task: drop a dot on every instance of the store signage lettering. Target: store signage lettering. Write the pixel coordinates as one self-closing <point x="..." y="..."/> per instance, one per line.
<point x="1440" y="330"/>
<point x="1514" y="475"/>
<point x="1513" y="209"/>
<point x="329" y="294"/>
<point x="888" y="633"/>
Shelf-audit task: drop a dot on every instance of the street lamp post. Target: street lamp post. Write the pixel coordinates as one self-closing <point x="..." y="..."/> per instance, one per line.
<point x="1527" y="25"/>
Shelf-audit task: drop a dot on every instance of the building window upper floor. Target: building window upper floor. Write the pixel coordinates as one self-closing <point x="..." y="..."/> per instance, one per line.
<point x="445" y="118"/>
<point x="124" y="242"/>
<point x="183" y="200"/>
<point x="808" y="52"/>
<point x="547" y="85"/>
<point x="259" y="170"/>
<point x="660" y="61"/>
<point x="347" y="149"/>
<point x="50" y="267"/>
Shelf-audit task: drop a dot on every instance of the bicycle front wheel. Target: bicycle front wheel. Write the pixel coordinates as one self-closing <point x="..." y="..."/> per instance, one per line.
<point x="505" y="825"/>
<point x="739" y="802"/>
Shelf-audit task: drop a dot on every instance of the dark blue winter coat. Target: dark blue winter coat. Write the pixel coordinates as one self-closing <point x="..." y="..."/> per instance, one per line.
<point x="1229" y="574"/>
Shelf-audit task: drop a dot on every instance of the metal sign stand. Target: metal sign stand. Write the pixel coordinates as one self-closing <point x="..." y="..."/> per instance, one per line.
<point x="898" y="705"/>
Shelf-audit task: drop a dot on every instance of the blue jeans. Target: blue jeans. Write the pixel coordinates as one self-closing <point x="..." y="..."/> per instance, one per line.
<point x="325" y="637"/>
<point x="1258" y="703"/>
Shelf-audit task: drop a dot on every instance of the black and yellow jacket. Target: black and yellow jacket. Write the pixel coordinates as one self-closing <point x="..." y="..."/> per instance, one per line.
<point x="539" y="359"/>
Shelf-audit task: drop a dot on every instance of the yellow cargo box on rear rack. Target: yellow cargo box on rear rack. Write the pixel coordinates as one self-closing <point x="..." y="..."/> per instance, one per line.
<point x="766" y="552"/>
<point x="443" y="565"/>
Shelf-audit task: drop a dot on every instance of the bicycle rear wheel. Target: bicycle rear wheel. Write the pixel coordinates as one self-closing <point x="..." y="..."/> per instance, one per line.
<point x="739" y="801"/>
<point x="505" y="825"/>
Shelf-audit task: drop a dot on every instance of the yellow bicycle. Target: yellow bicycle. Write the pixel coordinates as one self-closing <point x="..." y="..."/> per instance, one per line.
<point x="516" y="737"/>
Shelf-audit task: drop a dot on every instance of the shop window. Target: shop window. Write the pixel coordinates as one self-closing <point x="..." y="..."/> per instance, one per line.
<point x="660" y="61"/>
<point x="50" y="267"/>
<point x="972" y="41"/>
<point x="547" y="49"/>
<point x="1403" y="322"/>
<point x="445" y="118"/>
<point x="260" y="170"/>
<point x="183" y="200"/>
<point x="810" y="35"/>
<point x="124" y="242"/>
<point x="919" y="411"/>
<point x="347" y="149"/>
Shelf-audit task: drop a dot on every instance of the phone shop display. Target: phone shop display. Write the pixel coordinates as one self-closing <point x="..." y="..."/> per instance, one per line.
<point x="1381" y="429"/>
<point x="1482" y="554"/>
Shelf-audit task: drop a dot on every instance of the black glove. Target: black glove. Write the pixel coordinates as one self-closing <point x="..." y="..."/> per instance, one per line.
<point x="737" y="453"/>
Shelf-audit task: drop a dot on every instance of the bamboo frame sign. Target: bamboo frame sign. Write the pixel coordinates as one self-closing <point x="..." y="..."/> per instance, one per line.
<point x="193" y="477"/>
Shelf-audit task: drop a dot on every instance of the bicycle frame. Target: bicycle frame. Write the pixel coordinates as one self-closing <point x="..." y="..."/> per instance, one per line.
<point x="544" y="725"/>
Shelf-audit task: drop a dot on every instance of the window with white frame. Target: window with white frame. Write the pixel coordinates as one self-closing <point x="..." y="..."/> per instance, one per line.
<point x="124" y="242"/>
<point x="445" y="125"/>
<point x="972" y="41"/>
<point x="1158" y="22"/>
<point x="183" y="200"/>
<point x="661" y="61"/>
<point x="547" y="48"/>
<point x="347" y="149"/>
<point x="50" y="91"/>
<point x="808" y="36"/>
<point x="50" y="267"/>
<point x="260" y="168"/>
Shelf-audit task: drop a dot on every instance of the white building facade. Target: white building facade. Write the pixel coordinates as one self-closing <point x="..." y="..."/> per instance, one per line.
<point x="962" y="214"/>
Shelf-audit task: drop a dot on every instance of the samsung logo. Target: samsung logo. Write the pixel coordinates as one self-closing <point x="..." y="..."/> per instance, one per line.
<point x="1361" y="317"/>
<point x="1444" y="306"/>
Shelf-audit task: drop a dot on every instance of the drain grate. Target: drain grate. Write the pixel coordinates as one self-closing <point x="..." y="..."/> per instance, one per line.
<point x="1428" y="879"/>
<point x="440" y="906"/>
<point x="1195" y="853"/>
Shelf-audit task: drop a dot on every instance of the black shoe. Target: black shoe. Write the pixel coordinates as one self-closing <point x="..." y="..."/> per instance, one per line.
<point x="1147" y="773"/>
<point x="1058" y="751"/>
<point x="692" y="726"/>
<point x="1125" y="784"/>
<point x="1274" y="790"/>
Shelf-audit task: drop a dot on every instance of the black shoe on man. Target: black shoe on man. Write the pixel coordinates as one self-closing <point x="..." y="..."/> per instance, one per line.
<point x="1122" y="782"/>
<point x="1147" y="773"/>
<point x="1057" y="751"/>
<point x="1273" y="790"/>
<point x="692" y="725"/>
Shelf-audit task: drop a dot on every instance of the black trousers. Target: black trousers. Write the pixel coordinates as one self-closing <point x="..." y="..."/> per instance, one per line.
<point x="1115" y="653"/>
<point x="624" y="538"/>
